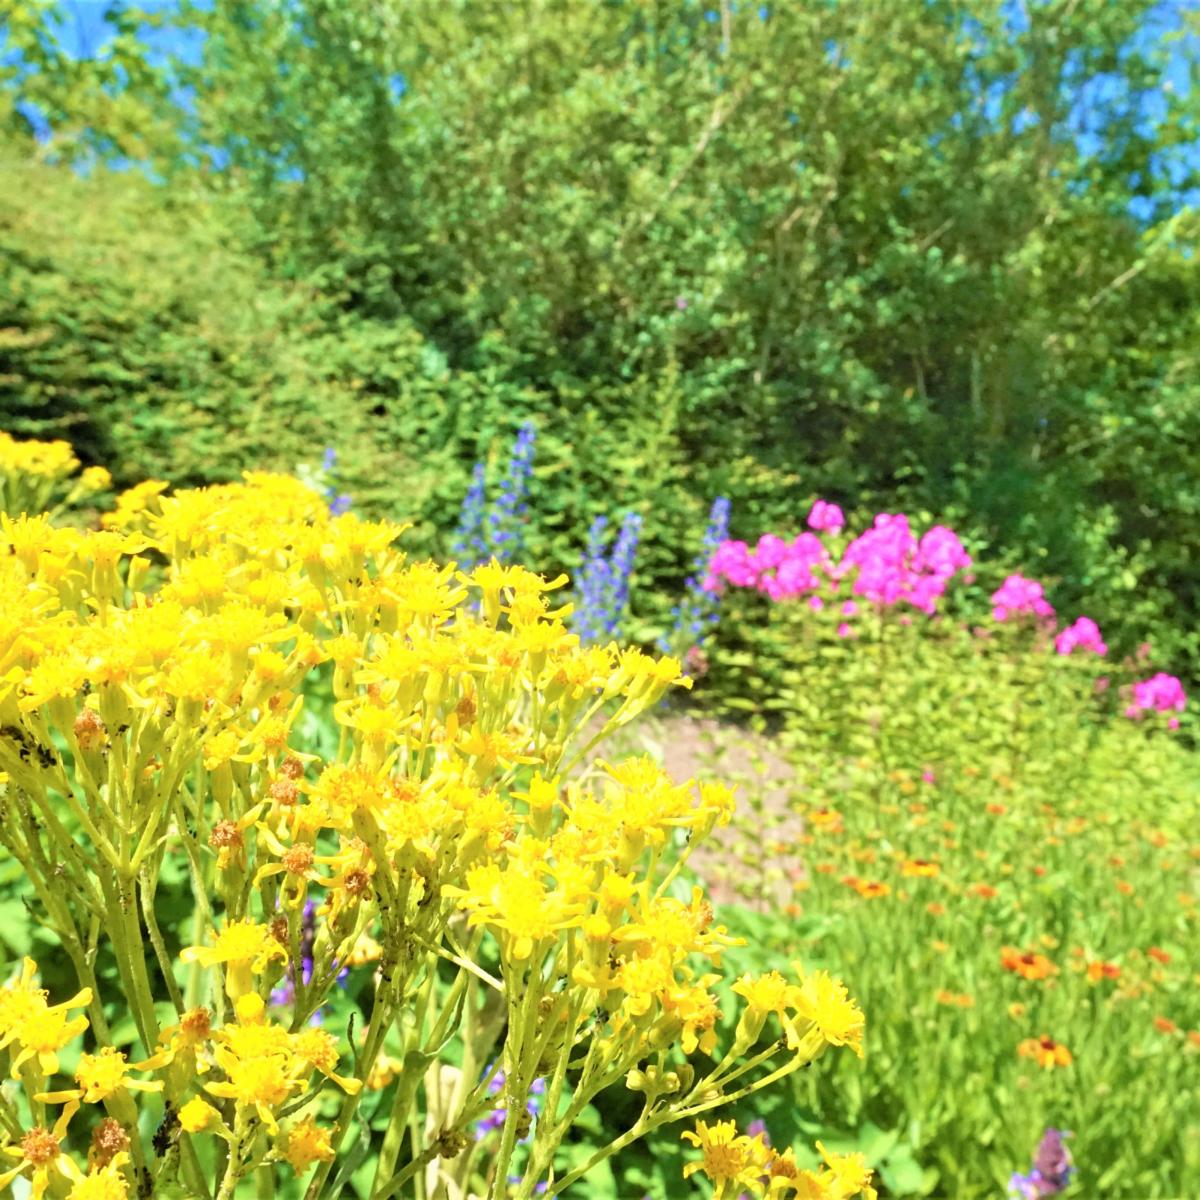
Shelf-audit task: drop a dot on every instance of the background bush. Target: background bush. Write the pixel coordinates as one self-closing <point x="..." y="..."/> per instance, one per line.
<point x="902" y="254"/>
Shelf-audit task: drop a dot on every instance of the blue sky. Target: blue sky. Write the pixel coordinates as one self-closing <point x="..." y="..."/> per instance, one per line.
<point x="84" y="32"/>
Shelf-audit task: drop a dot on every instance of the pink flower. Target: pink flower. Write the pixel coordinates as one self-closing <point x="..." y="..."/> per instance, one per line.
<point x="730" y="563"/>
<point x="826" y="517"/>
<point x="927" y="776"/>
<point x="1083" y="635"/>
<point x="770" y="551"/>
<point x="941" y="553"/>
<point x="886" y="563"/>
<point x="1018" y="597"/>
<point x="1173" y="723"/>
<point x="891" y="566"/>
<point x="1161" y="692"/>
<point x="844" y="630"/>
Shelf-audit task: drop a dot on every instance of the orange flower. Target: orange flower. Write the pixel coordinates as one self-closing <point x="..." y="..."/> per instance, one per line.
<point x="826" y="820"/>
<point x="1193" y="1037"/>
<point x="1165" y="1025"/>
<point x="1016" y="1010"/>
<point x="1159" y="956"/>
<point x="1124" y="887"/>
<point x="955" y="999"/>
<point x="984" y="891"/>
<point x="997" y="810"/>
<point x="872" y="889"/>
<point x="1046" y="1052"/>
<point x="919" y="868"/>
<point x="1097" y="971"/>
<point x="1026" y="963"/>
<point x="935" y="909"/>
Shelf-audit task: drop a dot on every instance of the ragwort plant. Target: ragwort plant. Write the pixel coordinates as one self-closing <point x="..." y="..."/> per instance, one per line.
<point x="506" y="928"/>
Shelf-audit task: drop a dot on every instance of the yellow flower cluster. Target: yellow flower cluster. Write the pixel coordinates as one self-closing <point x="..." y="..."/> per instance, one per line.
<point x="739" y="1164"/>
<point x="355" y="762"/>
<point x="35" y="476"/>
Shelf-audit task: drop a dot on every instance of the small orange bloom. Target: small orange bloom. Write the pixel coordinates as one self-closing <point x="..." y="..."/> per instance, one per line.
<point x="1016" y="1010"/>
<point x="955" y="999"/>
<point x="1124" y="887"/>
<point x="935" y="909"/>
<point x="1159" y="956"/>
<point x="1026" y="963"/>
<point x="872" y="889"/>
<point x="1046" y="1052"/>
<point x="1097" y="971"/>
<point x="984" y="891"/>
<point x="1165" y="1025"/>
<point x="1193" y="1037"/>
<point x="919" y="868"/>
<point x="997" y="810"/>
<point x="826" y="820"/>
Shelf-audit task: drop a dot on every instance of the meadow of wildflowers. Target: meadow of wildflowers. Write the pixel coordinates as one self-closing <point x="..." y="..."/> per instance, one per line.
<point x="312" y="890"/>
<point x="999" y="847"/>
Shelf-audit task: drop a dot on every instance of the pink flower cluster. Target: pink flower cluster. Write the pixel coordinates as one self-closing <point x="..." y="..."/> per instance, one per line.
<point x="1160" y="693"/>
<point x="1019" y="597"/>
<point x="888" y="563"/>
<point x="892" y="565"/>
<point x="825" y="517"/>
<point x="780" y="569"/>
<point x="1083" y="635"/>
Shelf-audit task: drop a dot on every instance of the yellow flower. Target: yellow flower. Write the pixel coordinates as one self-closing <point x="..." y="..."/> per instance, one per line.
<point x="308" y="1143"/>
<point x="41" y="1030"/>
<point x="729" y="1158"/>
<point x="41" y="1150"/>
<point x="96" y="479"/>
<point x="517" y="903"/>
<point x="245" y="948"/>
<point x="825" y="1002"/>
<point x="196" y="1115"/>
<point x="263" y="1084"/>
<point x="103" y="1183"/>
<point x="847" y="1175"/>
<point x="318" y="1049"/>
<point x="101" y="1075"/>
<point x="767" y="994"/>
<point x="696" y="1007"/>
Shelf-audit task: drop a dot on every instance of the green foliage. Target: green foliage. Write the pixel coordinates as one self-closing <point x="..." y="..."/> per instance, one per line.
<point x="851" y="249"/>
<point x="950" y="792"/>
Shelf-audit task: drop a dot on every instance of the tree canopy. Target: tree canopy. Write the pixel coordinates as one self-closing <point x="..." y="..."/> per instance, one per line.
<point x="930" y="252"/>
